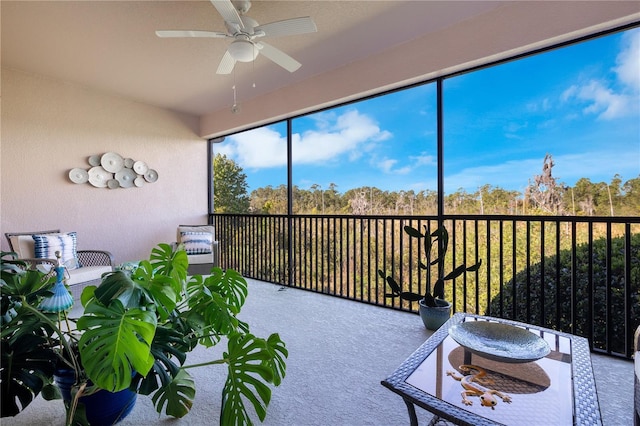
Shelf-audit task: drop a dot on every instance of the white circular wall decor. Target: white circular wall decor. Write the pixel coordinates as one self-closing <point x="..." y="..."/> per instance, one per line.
<point x="112" y="171"/>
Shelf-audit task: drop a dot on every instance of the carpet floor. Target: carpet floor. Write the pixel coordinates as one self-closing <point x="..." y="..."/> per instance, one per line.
<point x="339" y="351"/>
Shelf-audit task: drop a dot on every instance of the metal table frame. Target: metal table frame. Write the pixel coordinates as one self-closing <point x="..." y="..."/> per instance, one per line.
<point x="586" y="408"/>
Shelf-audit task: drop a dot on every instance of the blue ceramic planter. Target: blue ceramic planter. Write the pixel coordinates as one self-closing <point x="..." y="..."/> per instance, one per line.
<point x="434" y="317"/>
<point x="103" y="408"/>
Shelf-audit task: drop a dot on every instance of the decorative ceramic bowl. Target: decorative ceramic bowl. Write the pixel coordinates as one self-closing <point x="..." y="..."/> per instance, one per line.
<point x="500" y="342"/>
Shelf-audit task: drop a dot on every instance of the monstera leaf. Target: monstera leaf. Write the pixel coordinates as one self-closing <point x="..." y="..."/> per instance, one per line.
<point x="248" y="374"/>
<point x="25" y="361"/>
<point x="213" y="304"/>
<point x="17" y="282"/>
<point x="176" y="397"/>
<point x="168" y="347"/>
<point x="162" y="291"/>
<point x="230" y="284"/>
<point x="17" y="285"/>
<point x="116" y="285"/>
<point x="163" y="278"/>
<point x="278" y="352"/>
<point x="115" y="343"/>
<point x="169" y="262"/>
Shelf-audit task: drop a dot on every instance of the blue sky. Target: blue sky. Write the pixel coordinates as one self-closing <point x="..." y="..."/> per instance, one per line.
<point x="579" y="103"/>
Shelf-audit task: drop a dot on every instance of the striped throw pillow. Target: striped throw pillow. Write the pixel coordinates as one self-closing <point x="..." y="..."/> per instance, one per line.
<point x="197" y="242"/>
<point x="46" y="245"/>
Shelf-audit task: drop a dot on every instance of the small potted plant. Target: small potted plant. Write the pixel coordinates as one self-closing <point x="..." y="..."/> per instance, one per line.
<point x="133" y="336"/>
<point x="434" y="309"/>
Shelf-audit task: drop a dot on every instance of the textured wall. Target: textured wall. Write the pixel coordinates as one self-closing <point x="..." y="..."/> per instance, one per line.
<point x="50" y="127"/>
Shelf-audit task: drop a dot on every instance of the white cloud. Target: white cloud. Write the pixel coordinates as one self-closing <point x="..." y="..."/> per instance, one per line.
<point x="349" y="134"/>
<point x="423" y="159"/>
<point x="603" y="101"/>
<point x="259" y="148"/>
<point x="323" y="120"/>
<point x="547" y="123"/>
<point x="569" y="93"/>
<point x="628" y="61"/>
<point x="403" y="170"/>
<point x="539" y="106"/>
<point x="512" y="129"/>
<point x="608" y="100"/>
<point x="388" y="165"/>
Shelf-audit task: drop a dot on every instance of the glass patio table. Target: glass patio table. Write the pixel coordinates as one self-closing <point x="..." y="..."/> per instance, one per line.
<point x="558" y="389"/>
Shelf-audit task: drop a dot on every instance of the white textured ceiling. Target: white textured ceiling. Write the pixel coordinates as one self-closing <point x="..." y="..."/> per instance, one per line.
<point x="111" y="45"/>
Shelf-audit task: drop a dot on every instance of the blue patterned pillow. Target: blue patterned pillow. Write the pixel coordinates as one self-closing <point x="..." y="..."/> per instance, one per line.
<point x="46" y="246"/>
<point x="196" y="242"/>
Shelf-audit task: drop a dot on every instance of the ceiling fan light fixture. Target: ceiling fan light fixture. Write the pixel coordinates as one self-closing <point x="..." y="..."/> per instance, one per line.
<point x="242" y="6"/>
<point x="243" y="51"/>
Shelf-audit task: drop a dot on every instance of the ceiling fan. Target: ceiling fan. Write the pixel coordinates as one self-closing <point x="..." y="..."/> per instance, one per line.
<point x="245" y="33"/>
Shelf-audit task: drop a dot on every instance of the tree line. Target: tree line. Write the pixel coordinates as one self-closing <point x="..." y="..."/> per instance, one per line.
<point x="339" y="256"/>
<point x="543" y="195"/>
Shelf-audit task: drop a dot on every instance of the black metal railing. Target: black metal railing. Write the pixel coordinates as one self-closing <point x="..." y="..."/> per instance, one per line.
<point x="576" y="274"/>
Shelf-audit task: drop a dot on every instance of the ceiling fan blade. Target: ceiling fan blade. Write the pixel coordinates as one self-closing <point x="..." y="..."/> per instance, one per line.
<point x="226" y="64"/>
<point x="278" y="56"/>
<point x="287" y="27"/>
<point x="228" y="12"/>
<point x="191" y="33"/>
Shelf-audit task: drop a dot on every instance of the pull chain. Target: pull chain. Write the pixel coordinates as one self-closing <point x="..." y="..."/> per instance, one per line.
<point x="234" y="108"/>
<point x="253" y="66"/>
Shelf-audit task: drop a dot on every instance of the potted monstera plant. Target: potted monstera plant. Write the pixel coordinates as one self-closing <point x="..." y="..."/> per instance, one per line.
<point x="433" y="308"/>
<point x="133" y="337"/>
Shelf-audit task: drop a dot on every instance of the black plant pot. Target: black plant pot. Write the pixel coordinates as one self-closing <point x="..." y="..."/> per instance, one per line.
<point x="102" y="408"/>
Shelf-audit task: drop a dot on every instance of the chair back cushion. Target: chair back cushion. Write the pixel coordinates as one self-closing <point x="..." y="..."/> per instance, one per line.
<point x="197" y="242"/>
<point x="22" y="242"/>
<point x="196" y="228"/>
<point x="46" y="246"/>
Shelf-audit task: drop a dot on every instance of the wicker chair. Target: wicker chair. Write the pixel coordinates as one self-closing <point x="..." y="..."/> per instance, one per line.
<point x="201" y="245"/>
<point x="92" y="263"/>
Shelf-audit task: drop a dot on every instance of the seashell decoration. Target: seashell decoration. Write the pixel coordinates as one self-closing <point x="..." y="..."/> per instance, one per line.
<point x="110" y="170"/>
